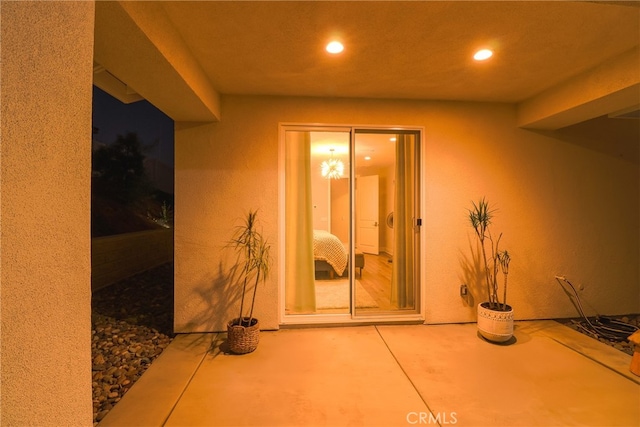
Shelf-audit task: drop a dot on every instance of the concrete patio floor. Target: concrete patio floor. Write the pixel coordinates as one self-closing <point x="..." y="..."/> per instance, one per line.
<point x="387" y="375"/>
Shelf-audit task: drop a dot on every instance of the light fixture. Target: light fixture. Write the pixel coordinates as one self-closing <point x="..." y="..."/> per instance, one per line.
<point x="482" y="54"/>
<point x="332" y="168"/>
<point x="334" y="47"/>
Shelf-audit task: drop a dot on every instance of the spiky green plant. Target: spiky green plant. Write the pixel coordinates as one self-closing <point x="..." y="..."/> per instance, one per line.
<point x="253" y="258"/>
<point x="480" y="216"/>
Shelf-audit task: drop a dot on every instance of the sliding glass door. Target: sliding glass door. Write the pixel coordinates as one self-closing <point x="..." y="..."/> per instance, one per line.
<point x="351" y="223"/>
<point x="317" y="222"/>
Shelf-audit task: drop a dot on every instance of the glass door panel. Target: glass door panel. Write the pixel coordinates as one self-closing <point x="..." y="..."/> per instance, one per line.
<point x="317" y="218"/>
<point x="351" y="224"/>
<point x="386" y="218"/>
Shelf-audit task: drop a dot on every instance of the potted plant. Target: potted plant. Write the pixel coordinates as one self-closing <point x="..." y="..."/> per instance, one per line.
<point x="253" y="261"/>
<point x="495" y="317"/>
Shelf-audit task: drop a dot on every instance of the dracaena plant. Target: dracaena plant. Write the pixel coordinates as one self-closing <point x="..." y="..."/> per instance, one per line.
<point x="495" y="260"/>
<point x="253" y="259"/>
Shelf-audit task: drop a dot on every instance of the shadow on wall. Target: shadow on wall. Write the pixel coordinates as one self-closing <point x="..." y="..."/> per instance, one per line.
<point x="471" y="266"/>
<point x="220" y="296"/>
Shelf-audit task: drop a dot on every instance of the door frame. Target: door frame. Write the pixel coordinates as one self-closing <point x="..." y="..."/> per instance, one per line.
<point x="349" y="319"/>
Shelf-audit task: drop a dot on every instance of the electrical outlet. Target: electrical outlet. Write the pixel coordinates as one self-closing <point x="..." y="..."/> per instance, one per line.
<point x="463" y="290"/>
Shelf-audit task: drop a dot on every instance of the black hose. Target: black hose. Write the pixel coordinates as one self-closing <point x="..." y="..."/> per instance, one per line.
<point x="602" y="326"/>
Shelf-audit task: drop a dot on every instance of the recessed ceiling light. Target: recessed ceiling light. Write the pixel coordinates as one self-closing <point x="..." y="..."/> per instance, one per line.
<point x="392" y="139"/>
<point x="335" y="47"/>
<point x="367" y="158"/>
<point x="482" y="54"/>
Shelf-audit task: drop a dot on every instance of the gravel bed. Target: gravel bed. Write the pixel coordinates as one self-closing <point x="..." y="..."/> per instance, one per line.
<point x="132" y="323"/>
<point x="579" y="324"/>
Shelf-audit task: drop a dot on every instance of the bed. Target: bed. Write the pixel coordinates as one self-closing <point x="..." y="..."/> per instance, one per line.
<point x="330" y="255"/>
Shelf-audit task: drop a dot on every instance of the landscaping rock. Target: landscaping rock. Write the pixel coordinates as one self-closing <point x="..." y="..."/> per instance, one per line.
<point x="132" y="323"/>
<point x="625" y="346"/>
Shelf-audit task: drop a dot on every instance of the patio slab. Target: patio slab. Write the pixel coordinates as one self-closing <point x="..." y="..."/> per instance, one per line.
<point x="386" y="375"/>
<point x="152" y="398"/>
<point x="535" y="381"/>
<point x="339" y="376"/>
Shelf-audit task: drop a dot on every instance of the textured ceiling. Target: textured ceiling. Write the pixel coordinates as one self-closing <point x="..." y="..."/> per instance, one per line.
<point x="411" y="50"/>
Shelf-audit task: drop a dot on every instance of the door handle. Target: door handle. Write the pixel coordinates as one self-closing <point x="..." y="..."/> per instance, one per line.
<point x="375" y="224"/>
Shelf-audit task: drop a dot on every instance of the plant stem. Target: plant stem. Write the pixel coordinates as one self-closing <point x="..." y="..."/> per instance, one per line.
<point x="487" y="272"/>
<point x="496" y="264"/>
<point x="504" y="306"/>
<point x="244" y="288"/>
<point x="253" y="300"/>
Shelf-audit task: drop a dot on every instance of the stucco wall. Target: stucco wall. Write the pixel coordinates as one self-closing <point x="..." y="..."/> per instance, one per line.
<point x="47" y="50"/>
<point x="563" y="208"/>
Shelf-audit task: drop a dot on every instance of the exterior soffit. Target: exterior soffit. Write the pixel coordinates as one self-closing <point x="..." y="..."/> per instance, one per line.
<point x="167" y="53"/>
<point x="130" y="50"/>
<point x="611" y="87"/>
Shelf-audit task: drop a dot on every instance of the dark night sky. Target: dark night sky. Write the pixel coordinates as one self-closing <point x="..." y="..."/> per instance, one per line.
<point x="114" y="118"/>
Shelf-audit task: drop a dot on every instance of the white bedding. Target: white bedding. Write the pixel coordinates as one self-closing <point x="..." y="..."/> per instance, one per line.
<point x="329" y="248"/>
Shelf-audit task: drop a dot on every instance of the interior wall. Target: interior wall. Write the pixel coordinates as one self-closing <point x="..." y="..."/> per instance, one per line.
<point x="320" y="198"/>
<point x="563" y="208"/>
<point x="340" y="207"/>
<point x="47" y="63"/>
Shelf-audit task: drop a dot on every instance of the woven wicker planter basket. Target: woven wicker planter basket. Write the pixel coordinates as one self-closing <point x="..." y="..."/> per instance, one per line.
<point x="243" y="339"/>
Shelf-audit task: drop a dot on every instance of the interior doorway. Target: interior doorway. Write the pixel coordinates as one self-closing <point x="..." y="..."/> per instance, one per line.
<point x="342" y="260"/>
<point x="367" y="214"/>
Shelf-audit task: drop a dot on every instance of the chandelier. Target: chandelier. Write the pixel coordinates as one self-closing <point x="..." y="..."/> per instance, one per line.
<point x="332" y="168"/>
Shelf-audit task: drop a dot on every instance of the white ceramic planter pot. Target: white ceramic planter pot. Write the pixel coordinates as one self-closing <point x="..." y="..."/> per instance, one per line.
<point x="494" y="325"/>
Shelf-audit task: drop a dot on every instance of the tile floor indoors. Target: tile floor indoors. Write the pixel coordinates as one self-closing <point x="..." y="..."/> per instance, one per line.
<point x="391" y="375"/>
